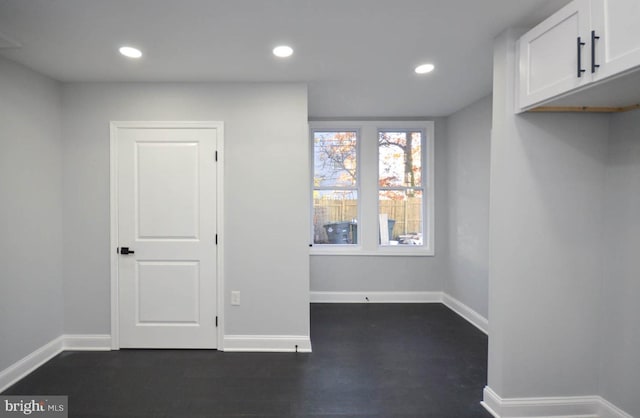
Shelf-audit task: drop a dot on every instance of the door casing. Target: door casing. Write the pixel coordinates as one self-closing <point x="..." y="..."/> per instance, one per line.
<point x="114" y="126"/>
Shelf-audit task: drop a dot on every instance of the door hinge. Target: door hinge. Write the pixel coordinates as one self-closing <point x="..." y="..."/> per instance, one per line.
<point x="216" y="155"/>
<point x="216" y="322"/>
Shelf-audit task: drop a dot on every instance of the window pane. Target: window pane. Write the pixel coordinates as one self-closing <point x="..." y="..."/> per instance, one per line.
<point x="400" y="159"/>
<point x="404" y="212"/>
<point x="334" y="159"/>
<point x="335" y="217"/>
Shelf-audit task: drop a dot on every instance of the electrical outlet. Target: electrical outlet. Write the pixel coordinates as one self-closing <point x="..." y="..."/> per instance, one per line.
<point x="235" y="298"/>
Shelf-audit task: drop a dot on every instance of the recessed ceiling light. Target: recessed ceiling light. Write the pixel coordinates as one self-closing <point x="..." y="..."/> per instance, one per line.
<point x="424" y="68"/>
<point x="130" y="52"/>
<point x="283" y="51"/>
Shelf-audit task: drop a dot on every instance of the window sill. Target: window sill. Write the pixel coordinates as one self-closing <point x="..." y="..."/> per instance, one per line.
<point x="382" y="251"/>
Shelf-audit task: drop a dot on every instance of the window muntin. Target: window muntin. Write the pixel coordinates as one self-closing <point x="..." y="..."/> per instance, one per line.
<point x="335" y="187"/>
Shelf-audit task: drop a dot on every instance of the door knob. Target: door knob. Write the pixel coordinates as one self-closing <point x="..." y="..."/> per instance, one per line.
<point x="126" y="250"/>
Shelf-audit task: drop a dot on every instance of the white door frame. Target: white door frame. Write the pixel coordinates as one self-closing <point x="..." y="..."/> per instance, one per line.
<point x="114" y="126"/>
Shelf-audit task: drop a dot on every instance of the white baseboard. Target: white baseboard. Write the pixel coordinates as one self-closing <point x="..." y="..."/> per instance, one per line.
<point x="466" y="312"/>
<point x="609" y="410"/>
<point x="37" y="358"/>
<point x="550" y="407"/>
<point x="29" y="363"/>
<point x="376" y="297"/>
<point x="267" y="343"/>
<point x="88" y="342"/>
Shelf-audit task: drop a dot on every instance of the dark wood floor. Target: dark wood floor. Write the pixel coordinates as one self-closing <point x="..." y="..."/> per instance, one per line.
<point x="373" y="360"/>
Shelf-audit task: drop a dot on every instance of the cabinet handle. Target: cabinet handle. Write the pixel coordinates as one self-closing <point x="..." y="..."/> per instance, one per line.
<point x="593" y="51"/>
<point x="580" y="69"/>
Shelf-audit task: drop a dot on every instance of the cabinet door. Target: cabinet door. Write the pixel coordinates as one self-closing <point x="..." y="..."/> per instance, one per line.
<point x="617" y="23"/>
<point x="548" y="55"/>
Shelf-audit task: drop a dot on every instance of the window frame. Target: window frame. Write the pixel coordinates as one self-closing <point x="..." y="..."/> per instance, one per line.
<point x="427" y="128"/>
<point x="328" y="128"/>
<point x="368" y="187"/>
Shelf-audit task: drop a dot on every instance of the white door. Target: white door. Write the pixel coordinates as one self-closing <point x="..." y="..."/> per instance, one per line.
<point x="555" y="55"/>
<point x="617" y="24"/>
<point x="166" y="182"/>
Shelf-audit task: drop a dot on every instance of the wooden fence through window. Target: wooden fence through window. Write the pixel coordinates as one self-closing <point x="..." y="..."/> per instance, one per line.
<point x="406" y="213"/>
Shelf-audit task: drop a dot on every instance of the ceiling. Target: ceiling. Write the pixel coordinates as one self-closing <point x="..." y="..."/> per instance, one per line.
<point x="357" y="56"/>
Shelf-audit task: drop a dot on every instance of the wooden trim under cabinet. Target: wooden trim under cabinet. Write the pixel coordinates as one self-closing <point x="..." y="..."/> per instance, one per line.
<point x="586" y="109"/>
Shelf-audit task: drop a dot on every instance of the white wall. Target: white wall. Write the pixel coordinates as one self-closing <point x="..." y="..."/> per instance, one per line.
<point x="31" y="312"/>
<point x="266" y="200"/>
<point x="545" y="264"/>
<point x="353" y="273"/>
<point x="468" y="150"/>
<point x="620" y="323"/>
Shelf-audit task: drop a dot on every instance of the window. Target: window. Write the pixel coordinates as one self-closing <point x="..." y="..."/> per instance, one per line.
<point x="335" y="187"/>
<point x="372" y="188"/>
<point x="400" y="190"/>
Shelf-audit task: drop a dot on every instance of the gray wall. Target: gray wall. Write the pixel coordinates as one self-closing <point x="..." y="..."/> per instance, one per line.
<point x="468" y="150"/>
<point x="353" y="273"/>
<point x="545" y="264"/>
<point x="266" y="180"/>
<point x="31" y="312"/>
<point x="619" y="377"/>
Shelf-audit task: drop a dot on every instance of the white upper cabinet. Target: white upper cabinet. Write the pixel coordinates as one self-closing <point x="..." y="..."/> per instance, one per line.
<point x="554" y="55"/>
<point x="616" y="23"/>
<point x="583" y="43"/>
